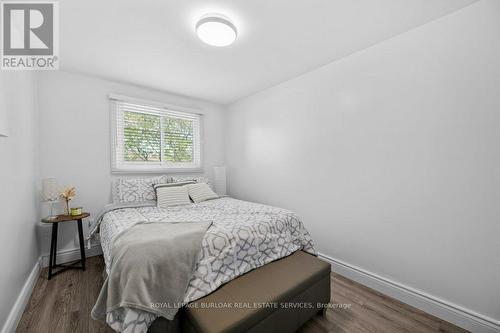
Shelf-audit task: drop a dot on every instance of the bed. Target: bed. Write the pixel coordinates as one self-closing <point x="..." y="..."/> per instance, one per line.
<point x="243" y="236"/>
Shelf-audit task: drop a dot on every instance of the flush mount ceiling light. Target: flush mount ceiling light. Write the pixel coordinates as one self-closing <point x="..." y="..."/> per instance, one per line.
<point x="216" y="30"/>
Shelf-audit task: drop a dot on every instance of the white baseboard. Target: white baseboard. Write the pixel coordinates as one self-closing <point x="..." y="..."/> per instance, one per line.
<point x="16" y="313"/>
<point x="453" y="313"/>
<point x="65" y="256"/>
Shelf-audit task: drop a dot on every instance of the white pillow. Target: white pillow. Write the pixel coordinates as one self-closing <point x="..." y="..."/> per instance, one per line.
<point x="168" y="196"/>
<point x="201" y="192"/>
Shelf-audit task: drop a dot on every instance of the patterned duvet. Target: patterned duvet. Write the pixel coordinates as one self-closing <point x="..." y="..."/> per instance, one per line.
<point x="243" y="236"/>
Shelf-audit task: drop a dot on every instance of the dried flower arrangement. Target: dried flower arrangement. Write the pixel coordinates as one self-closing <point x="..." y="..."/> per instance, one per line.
<point x="67" y="194"/>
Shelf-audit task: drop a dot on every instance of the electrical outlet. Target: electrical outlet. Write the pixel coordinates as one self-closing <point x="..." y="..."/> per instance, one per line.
<point x="90" y="224"/>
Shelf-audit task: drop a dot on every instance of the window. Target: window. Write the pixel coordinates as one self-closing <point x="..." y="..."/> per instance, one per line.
<point x="150" y="137"/>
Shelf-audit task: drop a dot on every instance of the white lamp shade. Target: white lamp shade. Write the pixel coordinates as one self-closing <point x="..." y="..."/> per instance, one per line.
<point x="50" y="189"/>
<point x="220" y="180"/>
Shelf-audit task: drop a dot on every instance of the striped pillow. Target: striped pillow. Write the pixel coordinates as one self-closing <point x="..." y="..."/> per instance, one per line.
<point x="168" y="196"/>
<point x="201" y="192"/>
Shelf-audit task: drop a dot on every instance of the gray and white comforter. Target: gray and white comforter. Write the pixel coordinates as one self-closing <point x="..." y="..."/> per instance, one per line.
<point x="243" y="236"/>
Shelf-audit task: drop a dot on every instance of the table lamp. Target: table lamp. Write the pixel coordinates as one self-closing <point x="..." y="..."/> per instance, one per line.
<point x="50" y="193"/>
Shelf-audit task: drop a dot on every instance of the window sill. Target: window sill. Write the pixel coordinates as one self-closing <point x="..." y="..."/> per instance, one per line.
<point x="125" y="171"/>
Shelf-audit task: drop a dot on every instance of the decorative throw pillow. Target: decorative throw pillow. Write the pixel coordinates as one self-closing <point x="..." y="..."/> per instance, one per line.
<point x="201" y="192"/>
<point x="168" y="196"/>
<point x="136" y="189"/>
<point x="187" y="182"/>
<point x="197" y="179"/>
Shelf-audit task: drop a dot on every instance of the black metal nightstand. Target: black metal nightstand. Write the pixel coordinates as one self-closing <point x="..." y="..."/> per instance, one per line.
<point x="53" y="243"/>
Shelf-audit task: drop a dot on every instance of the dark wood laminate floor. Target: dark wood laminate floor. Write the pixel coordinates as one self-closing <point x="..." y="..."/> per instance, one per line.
<point x="63" y="304"/>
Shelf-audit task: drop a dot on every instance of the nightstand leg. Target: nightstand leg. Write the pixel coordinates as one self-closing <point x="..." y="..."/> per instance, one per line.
<point x="54" y="256"/>
<point x="82" y="248"/>
<point x="53" y="249"/>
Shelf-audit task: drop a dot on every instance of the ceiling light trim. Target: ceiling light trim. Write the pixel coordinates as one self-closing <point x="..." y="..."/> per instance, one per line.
<point x="216" y="18"/>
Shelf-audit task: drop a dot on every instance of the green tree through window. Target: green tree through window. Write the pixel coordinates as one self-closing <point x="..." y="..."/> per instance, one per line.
<point x="151" y="137"/>
<point x="142" y="135"/>
<point x="178" y="140"/>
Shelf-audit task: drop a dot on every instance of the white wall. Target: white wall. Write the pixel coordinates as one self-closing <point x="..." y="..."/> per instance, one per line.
<point x="75" y="139"/>
<point x="391" y="156"/>
<point x="18" y="195"/>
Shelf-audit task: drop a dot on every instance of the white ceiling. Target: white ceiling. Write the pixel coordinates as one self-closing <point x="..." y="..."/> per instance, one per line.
<point x="152" y="42"/>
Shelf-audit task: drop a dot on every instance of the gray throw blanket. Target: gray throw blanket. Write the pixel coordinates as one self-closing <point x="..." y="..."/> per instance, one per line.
<point x="151" y="268"/>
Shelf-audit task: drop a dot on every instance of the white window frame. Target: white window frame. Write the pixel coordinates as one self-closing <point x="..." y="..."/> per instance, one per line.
<point x="120" y="167"/>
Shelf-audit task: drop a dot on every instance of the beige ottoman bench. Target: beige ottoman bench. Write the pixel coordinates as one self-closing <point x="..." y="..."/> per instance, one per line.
<point x="278" y="297"/>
